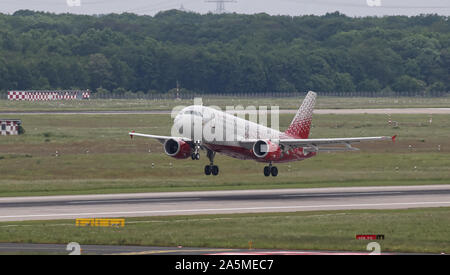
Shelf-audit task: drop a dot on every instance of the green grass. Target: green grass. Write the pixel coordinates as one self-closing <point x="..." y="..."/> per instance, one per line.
<point x="323" y="102"/>
<point x="63" y="129"/>
<point x="414" y="230"/>
<point x="85" y="174"/>
<point x="96" y="155"/>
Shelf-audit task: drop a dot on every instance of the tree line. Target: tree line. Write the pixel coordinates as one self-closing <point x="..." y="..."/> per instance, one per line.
<point x="226" y="53"/>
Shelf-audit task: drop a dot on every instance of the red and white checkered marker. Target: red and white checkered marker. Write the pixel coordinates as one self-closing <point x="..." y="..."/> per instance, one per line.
<point x="9" y="127"/>
<point x="48" y="95"/>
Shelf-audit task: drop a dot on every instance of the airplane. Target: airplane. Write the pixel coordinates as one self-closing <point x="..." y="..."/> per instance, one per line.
<point x="251" y="141"/>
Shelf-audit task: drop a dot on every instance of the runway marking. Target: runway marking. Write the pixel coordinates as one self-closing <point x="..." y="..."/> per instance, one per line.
<point x="133" y="200"/>
<point x="171" y="251"/>
<point x="87" y="248"/>
<point x="226" y="209"/>
<point x="342" y="194"/>
<point x="287" y="253"/>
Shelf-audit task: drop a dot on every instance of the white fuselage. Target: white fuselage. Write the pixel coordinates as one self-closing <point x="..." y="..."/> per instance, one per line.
<point x="211" y="126"/>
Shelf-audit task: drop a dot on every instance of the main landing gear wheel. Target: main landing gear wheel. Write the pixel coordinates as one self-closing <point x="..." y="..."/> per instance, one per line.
<point x="267" y="171"/>
<point x="270" y="170"/>
<point x="208" y="170"/>
<point x="211" y="168"/>
<point x="274" y="171"/>
<point x="215" y="170"/>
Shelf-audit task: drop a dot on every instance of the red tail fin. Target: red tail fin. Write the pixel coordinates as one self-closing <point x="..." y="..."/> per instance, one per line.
<point x="301" y="124"/>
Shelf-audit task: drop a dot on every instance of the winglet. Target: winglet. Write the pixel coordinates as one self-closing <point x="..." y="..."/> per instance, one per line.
<point x="393" y="138"/>
<point x="131" y="134"/>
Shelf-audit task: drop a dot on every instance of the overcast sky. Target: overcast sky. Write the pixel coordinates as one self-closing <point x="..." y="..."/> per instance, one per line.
<point x="285" y="7"/>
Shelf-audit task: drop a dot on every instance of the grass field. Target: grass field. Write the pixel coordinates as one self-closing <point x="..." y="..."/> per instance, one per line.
<point x="82" y="154"/>
<point x="284" y="103"/>
<point x="91" y="154"/>
<point x="413" y="230"/>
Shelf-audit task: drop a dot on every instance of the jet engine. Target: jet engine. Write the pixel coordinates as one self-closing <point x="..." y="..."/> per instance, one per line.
<point x="177" y="149"/>
<point x="267" y="150"/>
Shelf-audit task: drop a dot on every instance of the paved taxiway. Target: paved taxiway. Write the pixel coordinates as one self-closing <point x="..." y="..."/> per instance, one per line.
<point x="222" y="202"/>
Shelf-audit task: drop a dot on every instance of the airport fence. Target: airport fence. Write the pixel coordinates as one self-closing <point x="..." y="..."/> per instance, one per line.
<point x="191" y="95"/>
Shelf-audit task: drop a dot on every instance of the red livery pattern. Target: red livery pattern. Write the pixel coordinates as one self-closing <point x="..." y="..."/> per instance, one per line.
<point x="301" y="124"/>
<point x="294" y="154"/>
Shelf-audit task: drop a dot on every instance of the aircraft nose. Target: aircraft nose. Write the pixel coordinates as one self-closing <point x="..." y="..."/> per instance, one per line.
<point x="177" y="119"/>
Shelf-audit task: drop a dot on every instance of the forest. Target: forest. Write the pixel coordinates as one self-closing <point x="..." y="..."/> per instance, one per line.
<point x="225" y="53"/>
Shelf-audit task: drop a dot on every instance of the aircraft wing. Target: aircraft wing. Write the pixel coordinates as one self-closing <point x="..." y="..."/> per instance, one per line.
<point x="161" y="139"/>
<point x="315" y="145"/>
<point x="327" y="141"/>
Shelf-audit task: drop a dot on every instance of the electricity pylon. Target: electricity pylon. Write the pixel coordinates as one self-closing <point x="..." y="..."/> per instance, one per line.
<point x="220" y="4"/>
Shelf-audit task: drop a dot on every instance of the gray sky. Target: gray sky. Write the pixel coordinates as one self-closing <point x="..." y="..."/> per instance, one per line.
<point x="275" y="7"/>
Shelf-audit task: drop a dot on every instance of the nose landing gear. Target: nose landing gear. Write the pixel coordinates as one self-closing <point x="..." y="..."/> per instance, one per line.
<point x="196" y="154"/>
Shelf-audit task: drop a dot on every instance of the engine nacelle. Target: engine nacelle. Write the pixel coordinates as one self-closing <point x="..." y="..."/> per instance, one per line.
<point x="177" y="149"/>
<point x="267" y="150"/>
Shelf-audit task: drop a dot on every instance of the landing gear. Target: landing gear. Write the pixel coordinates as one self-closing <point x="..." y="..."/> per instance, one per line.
<point x="267" y="171"/>
<point x="196" y="154"/>
<point x="215" y="170"/>
<point x="208" y="170"/>
<point x="270" y="170"/>
<point x="211" y="168"/>
<point x="274" y="171"/>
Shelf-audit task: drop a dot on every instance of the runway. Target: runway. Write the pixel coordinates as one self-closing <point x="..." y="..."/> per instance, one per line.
<point x="46" y="249"/>
<point x="222" y="202"/>
<point x="282" y="111"/>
